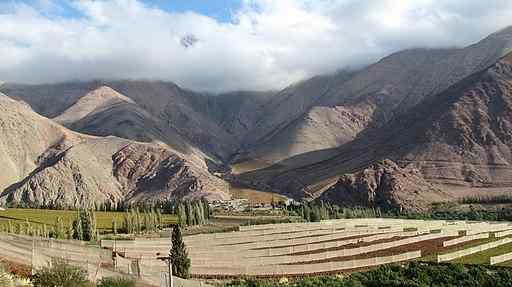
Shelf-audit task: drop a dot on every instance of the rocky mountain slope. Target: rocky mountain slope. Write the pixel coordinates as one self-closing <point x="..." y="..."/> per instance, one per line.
<point x="47" y="164"/>
<point x="461" y="136"/>
<point x="326" y="112"/>
<point x="150" y="110"/>
<point x="384" y="185"/>
<point x="105" y="112"/>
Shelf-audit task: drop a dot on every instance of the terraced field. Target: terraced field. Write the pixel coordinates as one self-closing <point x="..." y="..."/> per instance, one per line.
<point x="301" y="249"/>
<point x="276" y="250"/>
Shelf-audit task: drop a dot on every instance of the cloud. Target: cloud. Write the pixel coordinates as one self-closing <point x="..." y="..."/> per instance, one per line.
<point x="267" y="45"/>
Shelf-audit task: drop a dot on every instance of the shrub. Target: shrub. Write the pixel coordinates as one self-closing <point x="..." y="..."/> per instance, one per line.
<point x="60" y="274"/>
<point x="116" y="282"/>
<point x="6" y="279"/>
<point x="9" y="280"/>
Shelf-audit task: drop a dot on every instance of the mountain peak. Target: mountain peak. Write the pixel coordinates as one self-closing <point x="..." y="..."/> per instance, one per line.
<point x="99" y="98"/>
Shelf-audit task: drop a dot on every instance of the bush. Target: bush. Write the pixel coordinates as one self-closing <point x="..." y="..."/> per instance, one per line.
<point x="413" y="274"/>
<point x="116" y="282"/>
<point x="6" y="279"/>
<point x="60" y="274"/>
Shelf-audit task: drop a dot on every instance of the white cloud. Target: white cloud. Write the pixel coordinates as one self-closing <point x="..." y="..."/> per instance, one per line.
<point x="269" y="43"/>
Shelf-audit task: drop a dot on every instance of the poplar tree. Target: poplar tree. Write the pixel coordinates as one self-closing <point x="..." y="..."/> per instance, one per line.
<point x="114" y="227"/>
<point x="179" y="255"/>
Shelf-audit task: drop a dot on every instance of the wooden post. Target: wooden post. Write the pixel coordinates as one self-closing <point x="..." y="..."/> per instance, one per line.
<point x="168" y="260"/>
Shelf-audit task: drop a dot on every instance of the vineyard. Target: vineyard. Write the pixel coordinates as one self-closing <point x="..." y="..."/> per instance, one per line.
<point x="329" y="247"/>
<point x="280" y="250"/>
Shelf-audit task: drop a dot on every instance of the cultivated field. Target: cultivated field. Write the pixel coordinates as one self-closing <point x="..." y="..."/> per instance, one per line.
<point x="49" y="217"/>
<point x="328" y="247"/>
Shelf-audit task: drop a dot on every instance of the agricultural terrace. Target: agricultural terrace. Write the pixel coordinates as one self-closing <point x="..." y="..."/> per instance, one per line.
<point x="330" y="247"/>
<point x="49" y="217"/>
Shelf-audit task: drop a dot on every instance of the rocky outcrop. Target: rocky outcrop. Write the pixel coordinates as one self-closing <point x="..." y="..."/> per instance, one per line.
<point x="384" y="185"/>
<point x="154" y="172"/>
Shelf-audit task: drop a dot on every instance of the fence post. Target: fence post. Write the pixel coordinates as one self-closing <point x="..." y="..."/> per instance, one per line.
<point x="33" y="255"/>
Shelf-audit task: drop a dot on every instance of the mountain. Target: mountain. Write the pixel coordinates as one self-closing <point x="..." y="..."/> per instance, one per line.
<point x="47" y="164"/>
<point x="326" y="112"/>
<point x="385" y="185"/>
<point x="138" y="110"/>
<point x="309" y="139"/>
<point x="461" y="136"/>
<point x="105" y="112"/>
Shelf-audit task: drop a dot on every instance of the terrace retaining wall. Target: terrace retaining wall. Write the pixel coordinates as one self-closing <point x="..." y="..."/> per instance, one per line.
<point x="465" y="239"/>
<point x="500" y="259"/>
<point x="472" y="250"/>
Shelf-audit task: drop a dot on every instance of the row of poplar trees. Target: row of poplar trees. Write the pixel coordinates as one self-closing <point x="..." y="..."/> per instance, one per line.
<point x="317" y="211"/>
<point x="194" y="212"/>
<point x="135" y="221"/>
<point x="82" y="228"/>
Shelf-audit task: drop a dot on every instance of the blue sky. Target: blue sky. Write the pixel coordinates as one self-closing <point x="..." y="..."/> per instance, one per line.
<point x="221" y="10"/>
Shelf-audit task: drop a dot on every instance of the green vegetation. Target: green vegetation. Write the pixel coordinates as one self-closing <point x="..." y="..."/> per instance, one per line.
<point x="9" y="280"/>
<point x="412" y="275"/>
<point x="60" y="274"/>
<point x="474" y="215"/>
<point x="484" y="256"/>
<point x="49" y="218"/>
<point x="433" y="257"/>
<point x="317" y="211"/>
<point x="179" y="255"/>
<point x="167" y="206"/>
<point x="84" y="225"/>
<point x="138" y="222"/>
<point x="496" y="199"/>
<point x="115" y="282"/>
<point x="196" y="212"/>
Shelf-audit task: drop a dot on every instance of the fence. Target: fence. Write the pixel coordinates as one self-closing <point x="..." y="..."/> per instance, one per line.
<point x="237" y="237"/>
<point x="500" y="259"/>
<point x="503" y="233"/>
<point x="228" y="260"/>
<point x="303" y="269"/>
<point x="465" y="239"/>
<point x="472" y="250"/>
<point x="39" y="252"/>
<point x="304" y="247"/>
<point x="207" y="245"/>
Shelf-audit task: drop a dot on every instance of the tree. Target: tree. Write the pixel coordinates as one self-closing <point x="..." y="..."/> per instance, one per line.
<point x="84" y="225"/>
<point x="114" y="227"/>
<point x="59" y="229"/>
<point x="182" y="215"/>
<point x="179" y="255"/>
<point x="188" y="213"/>
<point x="61" y="274"/>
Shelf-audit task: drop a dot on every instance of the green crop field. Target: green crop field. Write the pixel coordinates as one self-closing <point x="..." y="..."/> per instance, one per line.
<point x="49" y="217"/>
<point x="484" y="256"/>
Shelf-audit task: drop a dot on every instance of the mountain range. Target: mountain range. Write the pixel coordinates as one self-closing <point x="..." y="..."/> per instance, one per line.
<point x="417" y="127"/>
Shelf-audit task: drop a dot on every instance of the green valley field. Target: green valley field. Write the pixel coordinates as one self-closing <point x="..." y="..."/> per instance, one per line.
<point x="49" y="217"/>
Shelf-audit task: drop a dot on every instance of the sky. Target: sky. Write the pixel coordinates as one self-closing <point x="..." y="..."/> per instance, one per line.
<point x="226" y="45"/>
